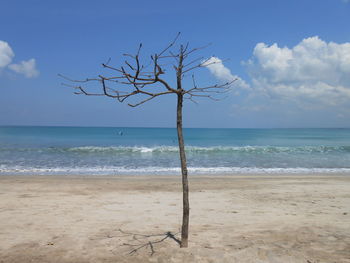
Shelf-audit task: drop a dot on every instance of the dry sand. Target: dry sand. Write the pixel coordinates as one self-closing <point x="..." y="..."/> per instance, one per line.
<point x="232" y="219"/>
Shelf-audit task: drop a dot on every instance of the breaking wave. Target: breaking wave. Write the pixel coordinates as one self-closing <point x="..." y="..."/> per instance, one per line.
<point x="189" y="149"/>
<point x="106" y="170"/>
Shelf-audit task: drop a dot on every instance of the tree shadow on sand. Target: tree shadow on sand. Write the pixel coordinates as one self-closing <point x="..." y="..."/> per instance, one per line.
<point x="141" y="241"/>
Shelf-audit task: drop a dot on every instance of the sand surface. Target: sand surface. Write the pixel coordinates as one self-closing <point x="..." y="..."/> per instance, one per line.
<point x="126" y="219"/>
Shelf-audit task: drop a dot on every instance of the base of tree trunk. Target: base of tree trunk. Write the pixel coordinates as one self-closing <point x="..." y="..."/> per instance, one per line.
<point x="184" y="243"/>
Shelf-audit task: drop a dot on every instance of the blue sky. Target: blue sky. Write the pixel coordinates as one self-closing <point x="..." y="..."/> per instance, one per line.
<point x="291" y="58"/>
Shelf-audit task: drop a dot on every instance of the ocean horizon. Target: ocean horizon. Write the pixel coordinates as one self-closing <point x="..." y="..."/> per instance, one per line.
<point x="58" y="150"/>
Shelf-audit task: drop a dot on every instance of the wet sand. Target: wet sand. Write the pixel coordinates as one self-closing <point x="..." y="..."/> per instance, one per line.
<point x="289" y="218"/>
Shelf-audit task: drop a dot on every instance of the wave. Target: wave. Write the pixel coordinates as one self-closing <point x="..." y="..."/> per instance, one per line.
<point x="110" y="170"/>
<point x="189" y="149"/>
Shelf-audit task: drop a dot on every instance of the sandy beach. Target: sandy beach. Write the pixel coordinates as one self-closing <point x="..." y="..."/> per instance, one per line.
<point x="289" y="218"/>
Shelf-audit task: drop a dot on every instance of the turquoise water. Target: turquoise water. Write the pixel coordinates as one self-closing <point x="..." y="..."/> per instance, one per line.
<point x="114" y="151"/>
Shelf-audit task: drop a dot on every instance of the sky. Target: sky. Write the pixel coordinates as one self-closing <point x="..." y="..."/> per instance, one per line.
<point x="290" y="59"/>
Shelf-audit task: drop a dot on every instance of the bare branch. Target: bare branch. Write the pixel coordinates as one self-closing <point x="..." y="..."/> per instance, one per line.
<point x="127" y="63"/>
<point x="82" y="91"/>
<point x="108" y="61"/>
<point x="196" y="49"/>
<point x="110" y="67"/>
<point x="193" y="61"/>
<point x="170" y="45"/>
<point x="78" y="81"/>
<point x="191" y="99"/>
<point x="138" y="51"/>
<point x="152" y="96"/>
<point x="211" y="92"/>
<point x="134" y="80"/>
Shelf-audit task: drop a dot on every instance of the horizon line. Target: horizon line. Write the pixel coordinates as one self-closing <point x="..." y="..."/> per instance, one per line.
<point x="158" y="127"/>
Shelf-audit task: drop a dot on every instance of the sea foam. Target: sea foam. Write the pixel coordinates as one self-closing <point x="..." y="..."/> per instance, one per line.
<point x="105" y="170"/>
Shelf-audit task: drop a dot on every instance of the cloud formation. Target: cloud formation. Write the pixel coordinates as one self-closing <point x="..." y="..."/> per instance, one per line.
<point x="217" y="68"/>
<point x="27" y="68"/>
<point x="6" y="54"/>
<point x="312" y="70"/>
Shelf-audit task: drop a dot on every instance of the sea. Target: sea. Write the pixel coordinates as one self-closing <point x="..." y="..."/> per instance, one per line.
<point x="117" y="151"/>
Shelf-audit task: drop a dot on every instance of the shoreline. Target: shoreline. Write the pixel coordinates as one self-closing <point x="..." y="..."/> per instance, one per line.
<point x="174" y="171"/>
<point x="233" y="218"/>
<point x="195" y="175"/>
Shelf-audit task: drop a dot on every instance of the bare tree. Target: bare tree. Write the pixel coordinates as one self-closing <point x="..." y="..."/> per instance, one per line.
<point x="145" y="82"/>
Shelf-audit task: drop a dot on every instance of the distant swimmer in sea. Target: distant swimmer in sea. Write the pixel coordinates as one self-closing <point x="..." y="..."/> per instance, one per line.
<point x="120" y="133"/>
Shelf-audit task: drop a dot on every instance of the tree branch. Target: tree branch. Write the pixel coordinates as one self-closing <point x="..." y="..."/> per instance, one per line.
<point x="132" y="79"/>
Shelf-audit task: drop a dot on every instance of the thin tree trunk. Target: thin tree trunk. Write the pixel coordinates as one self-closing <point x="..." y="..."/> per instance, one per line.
<point x="186" y="206"/>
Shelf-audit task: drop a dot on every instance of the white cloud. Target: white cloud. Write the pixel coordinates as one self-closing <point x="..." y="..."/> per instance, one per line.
<point x="312" y="71"/>
<point x="217" y="68"/>
<point x="6" y="54"/>
<point x="27" y="68"/>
